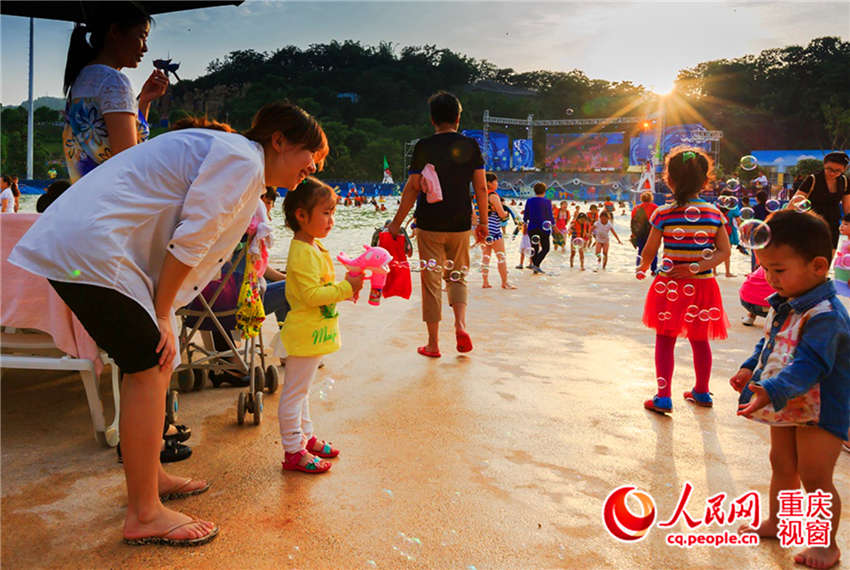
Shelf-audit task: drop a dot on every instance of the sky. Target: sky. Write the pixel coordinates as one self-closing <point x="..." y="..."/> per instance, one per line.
<point x="643" y="42"/>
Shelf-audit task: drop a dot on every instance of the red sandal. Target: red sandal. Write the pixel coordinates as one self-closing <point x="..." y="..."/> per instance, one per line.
<point x="464" y="343"/>
<point x="327" y="451"/>
<point x="423" y="350"/>
<point x="292" y="462"/>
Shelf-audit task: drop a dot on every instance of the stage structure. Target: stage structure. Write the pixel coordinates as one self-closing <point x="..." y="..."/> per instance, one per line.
<point x="697" y="137"/>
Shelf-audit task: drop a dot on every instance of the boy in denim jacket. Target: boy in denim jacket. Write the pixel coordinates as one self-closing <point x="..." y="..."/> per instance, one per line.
<point x="798" y="378"/>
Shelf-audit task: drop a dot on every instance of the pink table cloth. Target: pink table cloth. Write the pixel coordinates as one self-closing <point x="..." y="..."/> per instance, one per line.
<point x="28" y="301"/>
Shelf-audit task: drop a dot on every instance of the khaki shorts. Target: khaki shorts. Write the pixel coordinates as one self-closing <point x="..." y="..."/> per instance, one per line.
<point x="442" y="247"/>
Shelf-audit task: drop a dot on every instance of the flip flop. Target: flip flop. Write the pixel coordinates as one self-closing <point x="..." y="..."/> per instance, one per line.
<point x="327" y="451"/>
<point x="464" y="343"/>
<point x="179" y="493"/>
<point x="425" y="352"/>
<point x="314" y="467"/>
<point x="163" y="539"/>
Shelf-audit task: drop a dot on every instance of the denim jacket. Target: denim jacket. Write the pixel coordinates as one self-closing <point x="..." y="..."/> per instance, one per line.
<point x="806" y="341"/>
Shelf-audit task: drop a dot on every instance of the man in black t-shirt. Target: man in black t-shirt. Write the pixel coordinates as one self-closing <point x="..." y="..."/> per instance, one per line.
<point x="442" y="228"/>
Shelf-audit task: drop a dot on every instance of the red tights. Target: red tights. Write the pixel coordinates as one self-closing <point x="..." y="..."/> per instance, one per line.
<point x="664" y="346"/>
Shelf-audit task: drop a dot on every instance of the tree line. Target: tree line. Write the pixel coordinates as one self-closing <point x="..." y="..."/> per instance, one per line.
<point x="791" y="97"/>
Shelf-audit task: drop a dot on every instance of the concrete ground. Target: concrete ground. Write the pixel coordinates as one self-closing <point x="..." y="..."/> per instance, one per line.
<point x="499" y="459"/>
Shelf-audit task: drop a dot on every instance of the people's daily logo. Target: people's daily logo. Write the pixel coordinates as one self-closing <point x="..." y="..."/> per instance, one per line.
<point x="619" y="519"/>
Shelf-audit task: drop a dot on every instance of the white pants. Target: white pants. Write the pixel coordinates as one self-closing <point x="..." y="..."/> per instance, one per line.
<point x="293" y="410"/>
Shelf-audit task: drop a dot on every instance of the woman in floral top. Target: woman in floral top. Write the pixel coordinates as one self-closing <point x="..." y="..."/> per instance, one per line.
<point x="102" y="115"/>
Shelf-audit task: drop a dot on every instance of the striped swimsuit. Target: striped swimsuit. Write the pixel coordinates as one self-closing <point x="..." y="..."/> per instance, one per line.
<point x="494" y="225"/>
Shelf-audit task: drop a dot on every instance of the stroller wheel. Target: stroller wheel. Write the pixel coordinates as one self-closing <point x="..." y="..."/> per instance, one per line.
<point x="258" y="408"/>
<point x="240" y="408"/>
<point x="272" y="379"/>
<point x="171" y="406"/>
<point x="201" y="375"/>
<point x="185" y="380"/>
<point x="259" y="379"/>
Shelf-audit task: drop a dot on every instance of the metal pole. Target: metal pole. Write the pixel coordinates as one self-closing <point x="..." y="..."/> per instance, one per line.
<point x="31" y="118"/>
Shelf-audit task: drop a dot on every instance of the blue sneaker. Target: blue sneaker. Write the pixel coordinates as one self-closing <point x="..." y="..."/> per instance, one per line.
<point x="699" y="398"/>
<point x="659" y="404"/>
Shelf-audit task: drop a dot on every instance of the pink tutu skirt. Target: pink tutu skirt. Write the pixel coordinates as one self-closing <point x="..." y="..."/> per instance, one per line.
<point x="692" y="308"/>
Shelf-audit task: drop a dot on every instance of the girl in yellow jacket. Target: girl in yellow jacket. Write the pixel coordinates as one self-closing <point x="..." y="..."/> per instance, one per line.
<point x="311" y="329"/>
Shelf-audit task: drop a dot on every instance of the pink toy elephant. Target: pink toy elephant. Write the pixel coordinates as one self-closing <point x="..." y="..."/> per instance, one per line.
<point x="376" y="261"/>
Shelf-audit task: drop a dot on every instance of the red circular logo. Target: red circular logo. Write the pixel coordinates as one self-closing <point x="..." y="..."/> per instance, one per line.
<point x="619" y="519"/>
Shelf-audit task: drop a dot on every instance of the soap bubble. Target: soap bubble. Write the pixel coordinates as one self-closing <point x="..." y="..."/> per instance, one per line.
<point x="569" y="111"/>
<point x="662" y="316"/>
<point x="749" y="162"/>
<point x="688" y="289"/>
<point x="528" y="252"/>
<point x="485" y="260"/>
<point x="754" y="234"/>
<point x="672" y="295"/>
<point x="689" y="317"/>
<point x="747" y="213"/>
<point x="801" y="204"/>
<point x="714" y="313"/>
<point x="704" y="316"/>
<point x="666" y="264"/>
<point x="455" y="276"/>
<point x="662" y="383"/>
<point x="578" y="242"/>
<point x="707" y="253"/>
<point x="692" y="309"/>
<point x="488" y="240"/>
<point x="672" y="286"/>
<point x="449" y="265"/>
<point x="640" y="275"/>
<point x="576" y="181"/>
<point x="678" y="233"/>
<point x="432" y="263"/>
<point x="615" y="186"/>
<point x="414" y="265"/>
<point x="694" y="268"/>
<point x="535" y="239"/>
<point x="733" y="184"/>
<point x="547" y="226"/>
<point x="660" y="287"/>
<point x="772" y="205"/>
<point x="701" y="238"/>
<point x="692" y="214"/>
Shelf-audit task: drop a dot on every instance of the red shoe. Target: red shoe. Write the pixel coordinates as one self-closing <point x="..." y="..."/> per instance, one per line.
<point x="464" y="343"/>
<point x="327" y="451"/>
<point x="423" y="350"/>
<point x="292" y="461"/>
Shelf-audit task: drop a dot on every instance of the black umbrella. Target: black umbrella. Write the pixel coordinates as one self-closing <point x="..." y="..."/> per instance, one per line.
<point x="77" y="10"/>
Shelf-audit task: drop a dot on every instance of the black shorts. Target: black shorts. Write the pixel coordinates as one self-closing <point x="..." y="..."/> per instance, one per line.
<point x="118" y="324"/>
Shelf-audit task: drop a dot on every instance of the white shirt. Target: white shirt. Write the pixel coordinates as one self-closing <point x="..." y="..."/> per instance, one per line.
<point x="601" y="231"/>
<point x="190" y="192"/>
<point x="108" y="87"/>
<point x="8" y="197"/>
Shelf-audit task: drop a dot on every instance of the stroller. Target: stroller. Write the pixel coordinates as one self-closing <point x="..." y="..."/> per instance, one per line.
<point x="215" y="309"/>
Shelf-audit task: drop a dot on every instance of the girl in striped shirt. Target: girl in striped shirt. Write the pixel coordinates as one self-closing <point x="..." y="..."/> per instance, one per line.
<point x="684" y="299"/>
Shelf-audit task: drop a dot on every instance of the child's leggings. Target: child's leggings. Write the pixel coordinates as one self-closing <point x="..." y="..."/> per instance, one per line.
<point x="664" y="364"/>
<point x="293" y="410"/>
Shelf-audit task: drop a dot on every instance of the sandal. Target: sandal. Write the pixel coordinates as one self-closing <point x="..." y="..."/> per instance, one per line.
<point x="183" y="433"/>
<point x="179" y="493"/>
<point x="219" y="378"/>
<point x="292" y="461"/>
<point x="699" y="398"/>
<point x="425" y="352"/>
<point x="327" y="451"/>
<point x="163" y="539"/>
<point x="172" y="452"/>
<point x="464" y="343"/>
<point x="659" y="404"/>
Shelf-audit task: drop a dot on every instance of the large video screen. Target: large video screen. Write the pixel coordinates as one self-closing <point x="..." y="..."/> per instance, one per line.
<point x="585" y="152"/>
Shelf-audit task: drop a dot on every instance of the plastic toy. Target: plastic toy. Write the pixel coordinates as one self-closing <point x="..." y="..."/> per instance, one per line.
<point x="166" y="66"/>
<point x="376" y="261"/>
